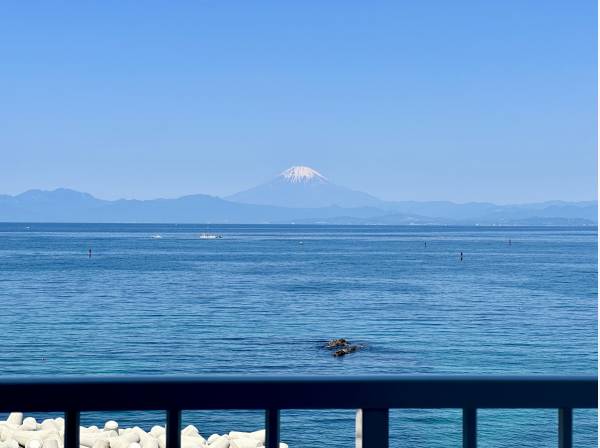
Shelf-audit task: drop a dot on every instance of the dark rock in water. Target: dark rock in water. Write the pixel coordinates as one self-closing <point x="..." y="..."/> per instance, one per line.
<point x="346" y="350"/>
<point x="342" y="347"/>
<point x="338" y="343"/>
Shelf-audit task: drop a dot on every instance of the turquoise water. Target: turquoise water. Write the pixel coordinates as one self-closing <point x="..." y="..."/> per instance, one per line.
<point x="260" y="302"/>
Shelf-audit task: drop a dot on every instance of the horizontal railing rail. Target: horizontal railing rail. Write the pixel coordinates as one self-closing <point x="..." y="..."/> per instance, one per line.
<point x="374" y="395"/>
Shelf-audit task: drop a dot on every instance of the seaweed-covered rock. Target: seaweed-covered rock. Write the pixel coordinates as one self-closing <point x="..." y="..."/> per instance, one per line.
<point x="334" y="343"/>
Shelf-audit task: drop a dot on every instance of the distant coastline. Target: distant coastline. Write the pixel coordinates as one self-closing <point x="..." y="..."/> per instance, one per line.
<point x="69" y="206"/>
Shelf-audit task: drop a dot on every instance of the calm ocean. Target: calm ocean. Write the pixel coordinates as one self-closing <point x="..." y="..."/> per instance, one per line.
<point x="263" y="300"/>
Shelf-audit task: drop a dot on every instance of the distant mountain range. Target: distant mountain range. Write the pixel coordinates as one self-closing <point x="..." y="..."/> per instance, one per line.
<point x="298" y="195"/>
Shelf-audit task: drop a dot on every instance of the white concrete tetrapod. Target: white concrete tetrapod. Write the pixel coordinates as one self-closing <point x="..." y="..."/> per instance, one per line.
<point x="117" y="442"/>
<point x="130" y="437"/>
<point x="283" y="445"/>
<point x="6" y="433"/>
<point x="60" y="422"/>
<point x="34" y="443"/>
<point x="149" y="442"/>
<point x="25" y="436"/>
<point x="90" y="438"/>
<point x="192" y="441"/>
<point x="50" y="424"/>
<point x="101" y="443"/>
<point x="156" y="430"/>
<point x="261" y="435"/>
<point x="221" y="442"/>
<point x="29" y="424"/>
<point x="245" y="442"/>
<point x="15" y="418"/>
<point x="162" y="440"/>
<point x="50" y="443"/>
<point x="239" y="435"/>
<point x="140" y="432"/>
<point x="134" y="445"/>
<point x="189" y="430"/>
<point x="212" y="438"/>
<point x="111" y="425"/>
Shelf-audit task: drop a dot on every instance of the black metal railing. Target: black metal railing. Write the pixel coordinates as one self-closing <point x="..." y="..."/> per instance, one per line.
<point x="375" y="395"/>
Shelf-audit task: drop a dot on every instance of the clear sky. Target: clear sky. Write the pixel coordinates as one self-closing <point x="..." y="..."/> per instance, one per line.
<point x="437" y="100"/>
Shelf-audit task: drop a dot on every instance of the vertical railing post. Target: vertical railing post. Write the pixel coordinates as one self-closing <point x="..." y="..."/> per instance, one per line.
<point x="469" y="428"/>
<point x="71" y="429"/>
<point x="173" y="428"/>
<point x="375" y="428"/>
<point x="565" y="428"/>
<point x="272" y="428"/>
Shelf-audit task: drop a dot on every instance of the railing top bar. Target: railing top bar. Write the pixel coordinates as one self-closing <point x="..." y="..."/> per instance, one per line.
<point x="211" y="379"/>
<point x="305" y="392"/>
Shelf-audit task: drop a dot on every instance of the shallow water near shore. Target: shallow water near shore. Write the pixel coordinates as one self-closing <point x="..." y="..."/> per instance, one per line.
<point x="263" y="300"/>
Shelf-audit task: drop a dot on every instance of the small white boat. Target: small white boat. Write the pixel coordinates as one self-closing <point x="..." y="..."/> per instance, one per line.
<point x="210" y="236"/>
<point x="156" y="237"/>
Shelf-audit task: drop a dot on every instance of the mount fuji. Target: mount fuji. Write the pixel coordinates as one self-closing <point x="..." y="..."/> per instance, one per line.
<point x="299" y="195"/>
<point x="304" y="187"/>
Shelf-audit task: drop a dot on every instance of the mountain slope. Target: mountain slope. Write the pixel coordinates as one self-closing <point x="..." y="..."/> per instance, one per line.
<point x="304" y="187"/>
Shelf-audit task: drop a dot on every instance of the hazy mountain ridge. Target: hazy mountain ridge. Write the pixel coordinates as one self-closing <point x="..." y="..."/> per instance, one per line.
<point x="299" y="194"/>
<point x="64" y="205"/>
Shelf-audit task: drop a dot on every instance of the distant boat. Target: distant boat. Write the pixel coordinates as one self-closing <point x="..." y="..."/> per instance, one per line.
<point x="210" y="236"/>
<point x="156" y="237"/>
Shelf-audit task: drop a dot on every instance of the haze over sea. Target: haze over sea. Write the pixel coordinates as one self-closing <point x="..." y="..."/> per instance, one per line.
<point x="260" y="302"/>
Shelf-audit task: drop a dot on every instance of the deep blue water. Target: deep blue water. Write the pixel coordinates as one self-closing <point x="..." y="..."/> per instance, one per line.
<point x="260" y="302"/>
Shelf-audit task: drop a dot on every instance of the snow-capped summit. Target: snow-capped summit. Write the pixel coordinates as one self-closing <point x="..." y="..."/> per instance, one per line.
<point x="299" y="173"/>
<point x="302" y="186"/>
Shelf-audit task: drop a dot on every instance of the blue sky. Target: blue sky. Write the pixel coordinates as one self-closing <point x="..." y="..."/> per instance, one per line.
<point x="462" y="101"/>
